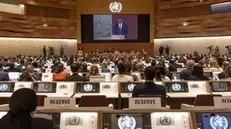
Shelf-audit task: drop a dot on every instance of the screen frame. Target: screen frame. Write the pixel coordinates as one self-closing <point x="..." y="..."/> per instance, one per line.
<point x="54" y="87"/>
<point x="83" y="40"/>
<point x="79" y="86"/>
<point x="185" y="88"/>
<point x="212" y="88"/>
<point x="12" y="86"/>
<point x="139" y="83"/>
<point x="128" y="113"/>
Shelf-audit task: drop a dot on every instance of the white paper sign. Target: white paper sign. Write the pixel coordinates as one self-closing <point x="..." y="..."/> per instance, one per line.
<point x="144" y="103"/>
<point x="48" y="70"/>
<point x="47" y="77"/>
<point x="222" y="102"/>
<point x="60" y="102"/>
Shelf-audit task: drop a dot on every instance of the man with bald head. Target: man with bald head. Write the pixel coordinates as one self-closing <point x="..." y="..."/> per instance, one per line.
<point x="185" y="74"/>
<point x="222" y="74"/>
<point x="27" y="75"/>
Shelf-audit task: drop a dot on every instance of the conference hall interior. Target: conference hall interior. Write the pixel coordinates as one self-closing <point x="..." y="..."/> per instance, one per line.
<point x="115" y="64"/>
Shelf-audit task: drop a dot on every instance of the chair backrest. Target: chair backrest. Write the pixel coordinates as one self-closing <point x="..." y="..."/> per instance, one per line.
<point x="163" y="103"/>
<point x="93" y="101"/>
<point x="40" y="100"/>
<point x="205" y="100"/>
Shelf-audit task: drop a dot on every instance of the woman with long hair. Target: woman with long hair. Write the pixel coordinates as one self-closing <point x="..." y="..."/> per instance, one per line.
<point x="214" y="66"/>
<point x="23" y="104"/>
<point x="94" y="71"/>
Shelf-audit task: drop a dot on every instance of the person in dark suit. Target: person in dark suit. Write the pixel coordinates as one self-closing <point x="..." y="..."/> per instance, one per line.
<point x="149" y="87"/>
<point x="198" y="74"/>
<point x="75" y="76"/>
<point x="3" y="75"/>
<point x="221" y="75"/>
<point x="120" y="28"/>
<point x="12" y="68"/>
<point x="23" y="104"/>
<point x="173" y="66"/>
<point x="185" y="74"/>
<point x="27" y="75"/>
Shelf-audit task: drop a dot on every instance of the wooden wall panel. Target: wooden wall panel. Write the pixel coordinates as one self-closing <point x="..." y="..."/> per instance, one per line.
<point x="171" y="4"/>
<point x="175" y="18"/>
<point x="89" y="47"/>
<point x="47" y="12"/>
<point x="14" y="25"/>
<point x="65" y="4"/>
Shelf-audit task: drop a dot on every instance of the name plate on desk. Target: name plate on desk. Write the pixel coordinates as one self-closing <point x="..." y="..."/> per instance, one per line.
<point x="222" y="102"/>
<point x="60" y="102"/>
<point x="47" y="77"/>
<point x="144" y="103"/>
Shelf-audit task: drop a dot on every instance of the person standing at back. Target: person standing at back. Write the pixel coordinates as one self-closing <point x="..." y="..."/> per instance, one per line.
<point x="149" y="87"/>
<point x="122" y="77"/>
<point x="23" y="104"/>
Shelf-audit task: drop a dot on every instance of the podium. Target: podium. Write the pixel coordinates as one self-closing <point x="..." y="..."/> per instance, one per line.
<point x="118" y="37"/>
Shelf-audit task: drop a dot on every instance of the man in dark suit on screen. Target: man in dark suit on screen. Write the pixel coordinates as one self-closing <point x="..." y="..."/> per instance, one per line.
<point x="120" y="28"/>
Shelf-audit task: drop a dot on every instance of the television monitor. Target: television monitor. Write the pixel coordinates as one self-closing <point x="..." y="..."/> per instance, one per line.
<point x="126" y="121"/>
<point x="174" y="87"/>
<point x="14" y="76"/>
<point x="220" y="86"/>
<point x="7" y="87"/>
<point x="87" y="87"/>
<point x="213" y="120"/>
<point x="52" y="118"/>
<point x="208" y="74"/>
<point x="221" y="7"/>
<point x="113" y="28"/>
<point x="45" y="87"/>
<point x="127" y="87"/>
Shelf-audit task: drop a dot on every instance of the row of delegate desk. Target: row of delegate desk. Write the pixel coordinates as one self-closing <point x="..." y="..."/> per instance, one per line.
<point x="138" y="119"/>
<point x="118" y="92"/>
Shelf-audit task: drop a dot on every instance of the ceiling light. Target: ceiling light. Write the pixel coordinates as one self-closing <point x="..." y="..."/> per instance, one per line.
<point x="185" y="23"/>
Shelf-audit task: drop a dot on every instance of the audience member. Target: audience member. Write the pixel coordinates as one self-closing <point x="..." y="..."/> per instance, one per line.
<point x="129" y="71"/>
<point x="75" y="75"/>
<point x="214" y="66"/>
<point x="149" y="87"/>
<point x="221" y="75"/>
<point x="94" y="71"/>
<point x="12" y="68"/>
<point x="23" y="104"/>
<point x="198" y="73"/>
<point x="84" y="69"/>
<point x="160" y="74"/>
<point x="185" y="74"/>
<point x="3" y="75"/>
<point x="27" y="75"/>
<point x="173" y="66"/>
<point x="6" y="62"/>
<point x="104" y="68"/>
<point x="60" y="74"/>
<point x="122" y="77"/>
<point x="228" y="72"/>
<point x="140" y="67"/>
